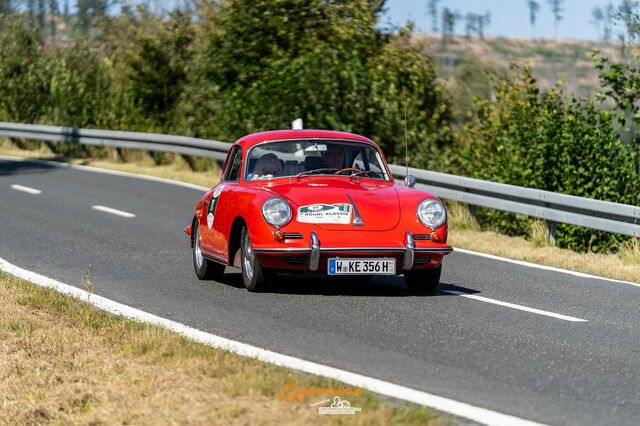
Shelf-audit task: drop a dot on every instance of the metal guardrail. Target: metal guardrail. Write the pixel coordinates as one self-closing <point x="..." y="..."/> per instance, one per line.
<point x="133" y="140"/>
<point x="550" y="206"/>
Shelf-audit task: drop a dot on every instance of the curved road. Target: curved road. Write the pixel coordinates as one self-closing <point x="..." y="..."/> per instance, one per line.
<point x="536" y="365"/>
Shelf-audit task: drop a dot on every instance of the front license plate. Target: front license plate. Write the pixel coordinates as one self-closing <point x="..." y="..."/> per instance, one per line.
<point x="346" y="266"/>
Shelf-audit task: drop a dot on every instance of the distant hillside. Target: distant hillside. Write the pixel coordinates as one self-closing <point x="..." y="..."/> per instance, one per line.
<point x="569" y="60"/>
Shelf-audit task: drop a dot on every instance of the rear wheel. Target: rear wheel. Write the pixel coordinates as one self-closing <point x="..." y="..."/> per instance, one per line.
<point x="205" y="269"/>
<point x="423" y="281"/>
<point x="255" y="277"/>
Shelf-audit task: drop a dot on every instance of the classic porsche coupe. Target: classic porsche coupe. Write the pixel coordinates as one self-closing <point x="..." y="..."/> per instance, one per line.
<point x="314" y="201"/>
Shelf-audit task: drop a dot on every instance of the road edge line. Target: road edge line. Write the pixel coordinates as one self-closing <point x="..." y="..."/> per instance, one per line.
<point x="460" y="409"/>
<point x="544" y="267"/>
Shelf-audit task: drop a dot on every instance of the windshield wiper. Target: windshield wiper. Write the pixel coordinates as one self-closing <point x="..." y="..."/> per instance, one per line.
<point x="316" y="171"/>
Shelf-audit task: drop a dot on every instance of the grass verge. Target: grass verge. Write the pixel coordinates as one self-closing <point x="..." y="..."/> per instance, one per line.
<point x="64" y="362"/>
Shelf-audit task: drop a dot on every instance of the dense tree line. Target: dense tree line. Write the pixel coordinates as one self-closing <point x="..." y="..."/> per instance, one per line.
<point x="220" y="70"/>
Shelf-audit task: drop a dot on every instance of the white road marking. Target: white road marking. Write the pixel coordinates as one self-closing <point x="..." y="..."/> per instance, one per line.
<point x="113" y="211"/>
<point x="26" y="189"/>
<point x="545" y="267"/>
<point x="461" y="409"/>
<point x="514" y="306"/>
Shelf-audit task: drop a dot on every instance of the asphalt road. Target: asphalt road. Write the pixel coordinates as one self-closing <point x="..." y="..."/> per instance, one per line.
<point x="517" y="362"/>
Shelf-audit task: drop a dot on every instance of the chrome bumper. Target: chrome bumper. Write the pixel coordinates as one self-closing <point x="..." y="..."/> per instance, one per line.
<point x="315" y="249"/>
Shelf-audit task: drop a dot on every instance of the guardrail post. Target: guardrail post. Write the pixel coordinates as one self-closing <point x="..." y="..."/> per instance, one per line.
<point x="551" y="234"/>
<point x="472" y="211"/>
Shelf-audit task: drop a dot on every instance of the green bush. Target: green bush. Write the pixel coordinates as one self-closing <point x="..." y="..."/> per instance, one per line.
<point x="548" y="141"/>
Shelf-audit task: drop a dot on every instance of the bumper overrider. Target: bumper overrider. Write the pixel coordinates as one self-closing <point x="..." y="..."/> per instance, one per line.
<point x="313" y="257"/>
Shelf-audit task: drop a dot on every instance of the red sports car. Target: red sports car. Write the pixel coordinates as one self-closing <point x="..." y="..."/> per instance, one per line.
<point x="315" y="201"/>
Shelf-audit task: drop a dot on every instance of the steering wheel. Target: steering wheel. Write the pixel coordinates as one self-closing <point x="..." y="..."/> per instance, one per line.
<point x="348" y="169"/>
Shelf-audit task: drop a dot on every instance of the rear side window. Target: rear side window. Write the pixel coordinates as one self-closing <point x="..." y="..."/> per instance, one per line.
<point x="232" y="173"/>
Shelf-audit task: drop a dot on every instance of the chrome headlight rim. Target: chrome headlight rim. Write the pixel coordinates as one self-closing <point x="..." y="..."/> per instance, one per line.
<point x="439" y="222"/>
<point x="270" y="201"/>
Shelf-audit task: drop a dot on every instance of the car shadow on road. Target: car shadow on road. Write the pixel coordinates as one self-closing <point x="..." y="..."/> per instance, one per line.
<point x="343" y="286"/>
<point x="30" y="166"/>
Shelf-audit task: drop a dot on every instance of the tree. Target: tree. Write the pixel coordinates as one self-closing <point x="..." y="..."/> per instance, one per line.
<point x="262" y="62"/>
<point x="449" y="20"/>
<point x="54" y="12"/>
<point x="628" y="13"/>
<point x="606" y="27"/>
<point x="556" y="9"/>
<point x="7" y="6"/>
<point x="470" y="24"/>
<point x="534" y="7"/>
<point x="377" y="6"/>
<point x="597" y="18"/>
<point x="31" y="10"/>
<point x="483" y="21"/>
<point x="89" y="10"/>
<point x="41" y="15"/>
<point x="432" y="11"/>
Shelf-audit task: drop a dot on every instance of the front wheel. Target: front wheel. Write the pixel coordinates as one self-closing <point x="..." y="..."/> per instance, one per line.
<point x="423" y="281"/>
<point x="254" y="276"/>
<point x="205" y="269"/>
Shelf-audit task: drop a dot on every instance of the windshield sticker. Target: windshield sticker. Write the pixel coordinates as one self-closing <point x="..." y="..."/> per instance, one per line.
<point x="325" y="213"/>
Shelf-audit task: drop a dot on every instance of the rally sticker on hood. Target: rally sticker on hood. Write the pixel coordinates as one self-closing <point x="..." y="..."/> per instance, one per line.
<point x="325" y="213"/>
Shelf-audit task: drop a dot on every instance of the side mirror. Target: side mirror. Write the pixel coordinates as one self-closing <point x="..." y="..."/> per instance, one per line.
<point x="410" y="181"/>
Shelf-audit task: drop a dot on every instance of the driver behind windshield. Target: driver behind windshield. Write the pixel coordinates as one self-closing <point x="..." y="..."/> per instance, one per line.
<point x="335" y="157"/>
<point x="267" y="167"/>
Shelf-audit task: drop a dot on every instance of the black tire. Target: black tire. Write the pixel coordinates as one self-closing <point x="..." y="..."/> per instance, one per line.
<point x="255" y="277"/>
<point x="205" y="269"/>
<point x="424" y="281"/>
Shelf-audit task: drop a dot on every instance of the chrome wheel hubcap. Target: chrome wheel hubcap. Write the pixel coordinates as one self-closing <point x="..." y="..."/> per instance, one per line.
<point x="197" y="251"/>
<point x="248" y="258"/>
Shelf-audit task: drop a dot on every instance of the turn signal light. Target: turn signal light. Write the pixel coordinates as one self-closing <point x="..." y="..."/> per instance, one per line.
<point x="435" y="237"/>
<point x="278" y="235"/>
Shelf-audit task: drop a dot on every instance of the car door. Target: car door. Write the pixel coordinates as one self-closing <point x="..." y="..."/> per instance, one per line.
<point x="215" y="241"/>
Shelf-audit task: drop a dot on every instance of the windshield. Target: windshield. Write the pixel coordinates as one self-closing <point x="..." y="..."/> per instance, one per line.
<point x="314" y="157"/>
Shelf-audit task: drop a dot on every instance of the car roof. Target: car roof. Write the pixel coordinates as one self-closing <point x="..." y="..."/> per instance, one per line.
<point x="255" y="138"/>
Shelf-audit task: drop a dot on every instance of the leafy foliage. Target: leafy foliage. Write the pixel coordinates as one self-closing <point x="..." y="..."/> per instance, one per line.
<point x="547" y="141"/>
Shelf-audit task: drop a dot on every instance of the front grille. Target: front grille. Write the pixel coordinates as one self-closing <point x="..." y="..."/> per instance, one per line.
<point x="421" y="260"/>
<point x="421" y="237"/>
<point x="293" y="235"/>
<point x="293" y="260"/>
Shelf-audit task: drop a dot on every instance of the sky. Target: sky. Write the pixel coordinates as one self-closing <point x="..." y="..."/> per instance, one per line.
<point x="508" y="17"/>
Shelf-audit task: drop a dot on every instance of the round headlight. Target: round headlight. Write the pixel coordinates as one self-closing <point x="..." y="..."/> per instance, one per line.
<point x="276" y="211"/>
<point x="432" y="213"/>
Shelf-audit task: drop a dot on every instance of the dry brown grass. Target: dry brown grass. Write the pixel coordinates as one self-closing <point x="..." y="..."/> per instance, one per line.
<point x="630" y="251"/>
<point x="465" y="232"/>
<point x="612" y="266"/>
<point x="140" y="164"/>
<point x="63" y="362"/>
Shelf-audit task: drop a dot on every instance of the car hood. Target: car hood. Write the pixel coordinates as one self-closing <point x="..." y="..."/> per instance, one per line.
<point x="327" y="203"/>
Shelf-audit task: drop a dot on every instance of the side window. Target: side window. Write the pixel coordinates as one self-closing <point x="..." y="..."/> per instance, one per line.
<point x="232" y="173"/>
